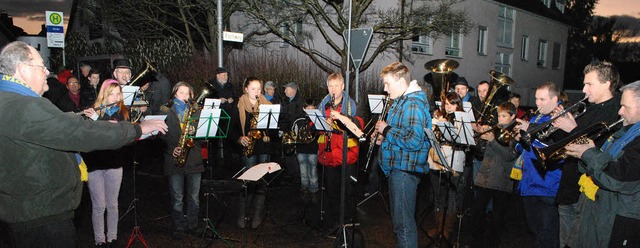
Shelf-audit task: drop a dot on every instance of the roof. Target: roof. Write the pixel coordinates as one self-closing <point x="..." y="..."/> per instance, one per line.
<point x="538" y="7"/>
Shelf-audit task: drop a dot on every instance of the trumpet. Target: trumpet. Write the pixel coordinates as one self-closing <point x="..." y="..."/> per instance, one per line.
<point x="553" y="154"/>
<point x="382" y="117"/>
<point x="542" y="130"/>
<point x="503" y="135"/>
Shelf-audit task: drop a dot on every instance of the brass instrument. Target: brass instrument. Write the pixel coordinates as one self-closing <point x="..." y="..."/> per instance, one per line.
<point x="148" y="68"/>
<point x="300" y="133"/>
<point x="552" y="154"/>
<point x="503" y="135"/>
<point x="381" y="117"/>
<point x="440" y="70"/>
<point x="498" y="80"/>
<point x="541" y="131"/>
<point x="185" y="142"/>
<point x="253" y="133"/>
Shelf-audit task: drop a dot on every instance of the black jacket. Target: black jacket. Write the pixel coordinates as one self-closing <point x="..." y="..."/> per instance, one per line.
<point x="607" y="111"/>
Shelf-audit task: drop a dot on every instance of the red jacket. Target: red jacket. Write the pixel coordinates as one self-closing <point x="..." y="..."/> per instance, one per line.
<point x="333" y="158"/>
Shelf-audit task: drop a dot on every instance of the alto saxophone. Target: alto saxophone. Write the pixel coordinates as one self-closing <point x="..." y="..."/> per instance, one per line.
<point x="185" y="142"/>
<point x="253" y="134"/>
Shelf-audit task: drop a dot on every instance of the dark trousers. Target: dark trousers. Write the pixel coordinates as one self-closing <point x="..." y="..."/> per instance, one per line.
<point x="488" y="235"/>
<point x="60" y="234"/>
<point x="543" y="219"/>
<point x="332" y="183"/>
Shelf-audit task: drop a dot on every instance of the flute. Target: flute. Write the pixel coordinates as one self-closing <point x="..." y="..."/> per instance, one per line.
<point x="99" y="107"/>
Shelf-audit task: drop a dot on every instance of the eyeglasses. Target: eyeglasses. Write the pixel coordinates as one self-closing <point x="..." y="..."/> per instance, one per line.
<point x="44" y="68"/>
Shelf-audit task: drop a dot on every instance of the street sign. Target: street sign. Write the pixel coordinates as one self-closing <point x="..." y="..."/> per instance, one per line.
<point x="360" y="39"/>
<point x="55" y="29"/>
<point x="231" y="36"/>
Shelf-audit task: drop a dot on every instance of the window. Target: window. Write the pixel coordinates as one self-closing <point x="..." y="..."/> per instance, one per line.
<point x="482" y="40"/>
<point x="503" y="63"/>
<point x="422" y="44"/>
<point x="524" y="54"/>
<point x="542" y="53"/>
<point x="284" y="29"/>
<point x="546" y="3"/>
<point x="505" y="26"/>
<point x="453" y="45"/>
<point x="555" y="59"/>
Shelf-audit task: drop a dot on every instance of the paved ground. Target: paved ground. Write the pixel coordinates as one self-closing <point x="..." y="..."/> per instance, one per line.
<point x="290" y="222"/>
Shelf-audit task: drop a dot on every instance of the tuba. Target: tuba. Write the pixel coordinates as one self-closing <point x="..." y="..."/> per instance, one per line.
<point x="185" y="142"/>
<point x="440" y="71"/>
<point x="498" y="80"/>
<point x="552" y="154"/>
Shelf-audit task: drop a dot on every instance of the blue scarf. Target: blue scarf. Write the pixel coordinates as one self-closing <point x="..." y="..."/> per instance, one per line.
<point x="112" y="110"/>
<point x="614" y="146"/>
<point x="14" y="85"/>
<point x="268" y="97"/>
<point x="466" y="97"/>
<point x="180" y="107"/>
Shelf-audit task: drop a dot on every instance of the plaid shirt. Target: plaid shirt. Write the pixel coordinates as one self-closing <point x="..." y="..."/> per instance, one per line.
<point x="405" y="145"/>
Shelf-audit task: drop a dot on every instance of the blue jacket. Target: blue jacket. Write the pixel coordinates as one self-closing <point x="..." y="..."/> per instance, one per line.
<point x="405" y="145"/>
<point x="532" y="183"/>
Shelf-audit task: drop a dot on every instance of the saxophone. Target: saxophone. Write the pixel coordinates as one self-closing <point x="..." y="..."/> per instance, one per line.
<point x="185" y="142"/>
<point x="253" y="133"/>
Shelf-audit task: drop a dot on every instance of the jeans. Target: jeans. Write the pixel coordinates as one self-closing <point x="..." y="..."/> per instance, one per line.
<point x="60" y="234"/>
<point x="488" y="235"/>
<point x="308" y="171"/>
<point x="447" y="189"/>
<point x="254" y="160"/>
<point x="177" y="185"/>
<point x="542" y="216"/>
<point x="569" y="221"/>
<point x="104" y="187"/>
<point x="403" y="188"/>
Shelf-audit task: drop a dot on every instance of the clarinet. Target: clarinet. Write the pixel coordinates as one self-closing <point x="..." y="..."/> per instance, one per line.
<point x="382" y="117"/>
<point x="331" y="107"/>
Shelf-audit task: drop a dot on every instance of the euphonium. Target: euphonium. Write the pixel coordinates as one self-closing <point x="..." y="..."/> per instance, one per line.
<point x="499" y="81"/>
<point x="185" y="142"/>
<point x="553" y="154"/>
<point x="381" y="117"/>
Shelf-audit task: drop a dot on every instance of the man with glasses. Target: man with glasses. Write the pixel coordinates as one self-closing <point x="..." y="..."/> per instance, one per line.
<point x="39" y="174"/>
<point x="72" y="101"/>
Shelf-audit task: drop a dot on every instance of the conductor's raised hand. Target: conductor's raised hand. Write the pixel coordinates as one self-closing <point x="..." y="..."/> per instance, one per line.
<point x="149" y="126"/>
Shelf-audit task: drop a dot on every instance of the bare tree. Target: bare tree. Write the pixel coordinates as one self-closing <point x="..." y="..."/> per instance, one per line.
<point x="191" y="20"/>
<point x="271" y="21"/>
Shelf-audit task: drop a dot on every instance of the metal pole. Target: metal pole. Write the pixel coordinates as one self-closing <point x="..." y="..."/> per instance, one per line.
<point x="219" y="12"/>
<point x="345" y="137"/>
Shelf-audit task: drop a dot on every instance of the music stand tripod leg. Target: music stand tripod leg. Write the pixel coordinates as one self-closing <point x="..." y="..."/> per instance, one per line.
<point x="210" y="227"/>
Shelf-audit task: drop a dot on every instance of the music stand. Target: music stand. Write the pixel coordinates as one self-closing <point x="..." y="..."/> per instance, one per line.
<point x="253" y="174"/>
<point x="209" y="127"/>
<point x="320" y="124"/>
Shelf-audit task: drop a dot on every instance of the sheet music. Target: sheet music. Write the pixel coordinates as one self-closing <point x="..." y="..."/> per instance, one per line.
<point x="129" y="94"/>
<point x="448" y="130"/>
<point x="152" y="117"/>
<point x="319" y="122"/>
<point x="376" y="103"/>
<point x="210" y="103"/>
<point x="208" y="123"/>
<point x="269" y="113"/>
<point x="258" y="171"/>
<point x="466" y="132"/>
<point x="466" y="106"/>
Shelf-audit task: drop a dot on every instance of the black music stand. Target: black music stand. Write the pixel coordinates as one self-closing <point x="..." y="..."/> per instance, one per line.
<point x="320" y="125"/>
<point x="253" y="174"/>
<point x="209" y="127"/>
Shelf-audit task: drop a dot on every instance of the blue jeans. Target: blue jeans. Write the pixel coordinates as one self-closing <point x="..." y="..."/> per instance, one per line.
<point x="542" y="216"/>
<point x="308" y="171"/>
<point x="177" y="185"/>
<point x="403" y="188"/>
<point x="254" y="160"/>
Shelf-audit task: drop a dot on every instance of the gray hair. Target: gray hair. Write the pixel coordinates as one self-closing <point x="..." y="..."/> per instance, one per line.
<point x="12" y="54"/>
<point x="634" y="88"/>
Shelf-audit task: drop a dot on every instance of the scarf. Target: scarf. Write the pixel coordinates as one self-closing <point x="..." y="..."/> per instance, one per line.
<point x="14" y="85"/>
<point x="180" y="107"/>
<point x="244" y="106"/>
<point x="268" y="97"/>
<point x="466" y="97"/>
<point x="351" y="110"/>
<point x="112" y="110"/>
